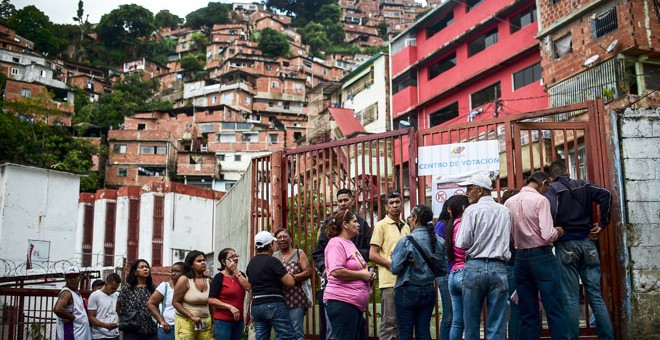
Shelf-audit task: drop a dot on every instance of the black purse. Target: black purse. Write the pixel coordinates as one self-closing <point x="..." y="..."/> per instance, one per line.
<point x="127" y="321"/>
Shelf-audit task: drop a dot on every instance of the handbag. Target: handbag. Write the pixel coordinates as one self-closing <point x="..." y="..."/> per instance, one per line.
<point x="127" y="321"/>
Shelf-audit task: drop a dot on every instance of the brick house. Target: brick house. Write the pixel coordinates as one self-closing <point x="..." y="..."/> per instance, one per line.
<point x="11" y="41"/>
<point x="600" y="49"/>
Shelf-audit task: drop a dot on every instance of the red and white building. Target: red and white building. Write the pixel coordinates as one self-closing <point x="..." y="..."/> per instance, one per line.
<point x="467" y="60"/>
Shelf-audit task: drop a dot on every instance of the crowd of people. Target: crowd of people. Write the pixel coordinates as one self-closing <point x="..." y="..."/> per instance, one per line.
<point x="530" y="249"/>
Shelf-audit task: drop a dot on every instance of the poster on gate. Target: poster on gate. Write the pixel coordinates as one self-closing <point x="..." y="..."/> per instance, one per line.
<point x="445" y="187"/>
<point x="458" y="158"/>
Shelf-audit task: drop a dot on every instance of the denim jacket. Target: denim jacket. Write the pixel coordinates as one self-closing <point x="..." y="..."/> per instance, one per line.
<point x="409" y="265"/>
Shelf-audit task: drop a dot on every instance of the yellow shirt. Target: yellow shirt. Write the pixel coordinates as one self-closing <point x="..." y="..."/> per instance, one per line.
<point x="386" y="235"/>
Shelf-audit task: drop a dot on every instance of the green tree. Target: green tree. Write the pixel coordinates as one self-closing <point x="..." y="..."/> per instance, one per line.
<point x="382" y="29"/>
<point x="7" y="9"/>
<point x="199" y="41"/>
<point x="84" y="27"/>
<point x="46" y="146"/>
<point x="192" y="63"/>
<point x="34" y="25"/>
<point x="133" y="93"/>
<point x="329" y="13"/>
<point x="303" y="11"/>
<point x="273" y="43"/>
<point x="313" y="34"/>
<point x="126" y="28"/>
<point x="213" y="13"/>
<point x="165" y="18"/>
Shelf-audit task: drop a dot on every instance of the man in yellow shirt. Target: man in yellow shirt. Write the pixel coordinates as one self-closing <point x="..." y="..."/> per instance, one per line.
<point x="384" y="238"/>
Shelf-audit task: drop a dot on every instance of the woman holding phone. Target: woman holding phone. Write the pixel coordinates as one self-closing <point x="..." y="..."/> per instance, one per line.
<point x="192" y="320"/>
<point x="227" y="295"/>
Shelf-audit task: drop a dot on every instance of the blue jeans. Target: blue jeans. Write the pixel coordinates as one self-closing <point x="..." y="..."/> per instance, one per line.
<point x="414" y="307"/>
<point x="456" y="292"/>
<point x="297" y="316"/>
<point x="166" y="336"/>
<point x="272" y="315"/>
<point x="514" y="314"/>
<point x="445" y="324"/>
<point x="485" y="280"/>
<point x="347" y="321"/>
<point x="228" y="330"/>
<point x="536" y="271"/>
<point x="579" y="259"/>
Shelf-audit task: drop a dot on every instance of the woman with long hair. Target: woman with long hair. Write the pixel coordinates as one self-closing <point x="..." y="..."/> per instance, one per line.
<point x="456" y="206"/>
<point x="295" y="261"/>
<point x="347" y="292"/>
<point x="227" y="295"/>
<point x="443" y="281"/>
<point x="417" y="260"/>
<point x="160" y="303"/>
<point x="192" y="320"/>
<point x="137" y="322"/>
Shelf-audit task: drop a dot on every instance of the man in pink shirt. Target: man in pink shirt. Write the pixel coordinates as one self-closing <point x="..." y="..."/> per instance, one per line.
<point x="536" y="267"/>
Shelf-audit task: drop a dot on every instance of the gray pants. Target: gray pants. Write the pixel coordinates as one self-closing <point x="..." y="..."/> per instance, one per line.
<point x="388" y="327"/>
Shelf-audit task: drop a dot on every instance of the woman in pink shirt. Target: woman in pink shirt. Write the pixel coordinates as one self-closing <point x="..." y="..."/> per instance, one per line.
<point x="456" y="205"/>
<point x="347" y="292"/>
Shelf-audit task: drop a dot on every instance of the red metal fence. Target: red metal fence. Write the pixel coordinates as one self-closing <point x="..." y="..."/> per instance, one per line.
<point x="296" y="188"/>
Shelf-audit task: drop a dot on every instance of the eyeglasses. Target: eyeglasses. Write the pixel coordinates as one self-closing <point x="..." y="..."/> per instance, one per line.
<point x="283" y="237"/>
<point x="235" y="257"/>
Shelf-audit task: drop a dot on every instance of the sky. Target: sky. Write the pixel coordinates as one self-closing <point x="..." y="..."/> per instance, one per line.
<point x="63" y="11"/>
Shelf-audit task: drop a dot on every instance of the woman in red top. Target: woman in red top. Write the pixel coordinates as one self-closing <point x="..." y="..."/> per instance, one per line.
<point x="227" y="295"/>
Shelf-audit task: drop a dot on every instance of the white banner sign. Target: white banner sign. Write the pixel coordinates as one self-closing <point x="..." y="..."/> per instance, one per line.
<point x="459" y="158"/>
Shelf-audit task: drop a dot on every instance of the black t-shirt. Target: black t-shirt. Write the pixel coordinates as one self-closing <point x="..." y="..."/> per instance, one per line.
<point x="264" y="273"/>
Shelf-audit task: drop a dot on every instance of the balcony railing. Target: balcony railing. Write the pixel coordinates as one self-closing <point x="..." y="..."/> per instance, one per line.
<point x="607" y="80"/>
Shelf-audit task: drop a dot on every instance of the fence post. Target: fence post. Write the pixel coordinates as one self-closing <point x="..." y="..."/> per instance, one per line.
<point x="277" y="205"/>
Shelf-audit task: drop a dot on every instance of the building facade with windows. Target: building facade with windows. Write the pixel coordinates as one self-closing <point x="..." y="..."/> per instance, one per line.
<point x="467" y="60"/>
<point x="601" y="49"/>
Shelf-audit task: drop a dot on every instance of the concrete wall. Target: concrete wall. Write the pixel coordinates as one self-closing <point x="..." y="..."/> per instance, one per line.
<point x="37" y="204"/>
<point x="232" y="228"/>
<point x="639" y="134"/>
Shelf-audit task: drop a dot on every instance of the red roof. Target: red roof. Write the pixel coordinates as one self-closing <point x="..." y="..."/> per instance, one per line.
<point x="345" y="118"/>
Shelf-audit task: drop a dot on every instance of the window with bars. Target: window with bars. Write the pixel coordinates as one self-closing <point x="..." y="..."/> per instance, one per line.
<point x="88" y="235"/>
<point x="119" y="148"/>
<point x="133" y="239"/>
<point x="109" y="241"/>
<point x="158" y="229"/>
<point x="604" y="22"/>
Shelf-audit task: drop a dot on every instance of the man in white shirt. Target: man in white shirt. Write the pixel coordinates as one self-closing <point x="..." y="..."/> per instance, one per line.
<point x="102" y="309"/>
<point x="484" y="234"/>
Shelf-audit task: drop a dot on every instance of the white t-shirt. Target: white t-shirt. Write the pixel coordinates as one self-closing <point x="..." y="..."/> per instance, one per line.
<point x="168" y="313"/>
<point x="106" y="311"/>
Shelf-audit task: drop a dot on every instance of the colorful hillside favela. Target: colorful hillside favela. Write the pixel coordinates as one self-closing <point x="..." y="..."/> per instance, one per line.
<point x="330" y="169"/>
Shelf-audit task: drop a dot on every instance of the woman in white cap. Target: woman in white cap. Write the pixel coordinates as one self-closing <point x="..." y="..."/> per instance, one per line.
<point x="72" y="321"/>
<point x="268" y="277"/>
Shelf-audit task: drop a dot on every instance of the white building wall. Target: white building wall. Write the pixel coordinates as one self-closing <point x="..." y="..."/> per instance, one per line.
<point x="375" y="94"/>
<point x="98" y="239"/>
<point x="146" y="226"/>
<point x="38" y="204"/>
<point x="121" y="228"/>
<point x="191" y="225"/>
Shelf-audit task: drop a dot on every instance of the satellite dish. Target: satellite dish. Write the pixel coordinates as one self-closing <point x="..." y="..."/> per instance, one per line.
<point x="612" y="46"/>
<point x="591" y="60"/>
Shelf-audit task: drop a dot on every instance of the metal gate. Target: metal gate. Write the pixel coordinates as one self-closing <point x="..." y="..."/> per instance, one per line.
<point x="297" y="188"/>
